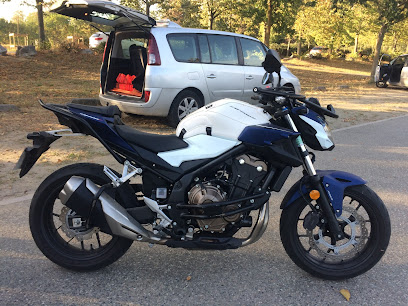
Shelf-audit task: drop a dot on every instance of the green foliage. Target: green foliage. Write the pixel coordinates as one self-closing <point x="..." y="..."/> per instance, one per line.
<point x="183" y="12"/>
<point x="343" y="26"/>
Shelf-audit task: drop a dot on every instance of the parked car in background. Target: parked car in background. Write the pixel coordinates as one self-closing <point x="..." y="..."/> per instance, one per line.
<point x="392" y="72"/>
<point x="162" y="69"/>
<point x="318" y="52"/>
<point x="96" y="39"/>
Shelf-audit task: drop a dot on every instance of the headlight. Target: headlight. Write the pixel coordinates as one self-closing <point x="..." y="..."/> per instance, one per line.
<point x="280" y="100"/>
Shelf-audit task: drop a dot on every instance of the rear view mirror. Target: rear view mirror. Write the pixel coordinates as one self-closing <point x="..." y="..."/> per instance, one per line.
<point x="272" y="62"/>
<point x="267" y="78"/>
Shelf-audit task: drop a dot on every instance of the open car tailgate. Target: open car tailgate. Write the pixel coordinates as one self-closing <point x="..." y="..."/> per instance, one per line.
<point x="102" y="12"/>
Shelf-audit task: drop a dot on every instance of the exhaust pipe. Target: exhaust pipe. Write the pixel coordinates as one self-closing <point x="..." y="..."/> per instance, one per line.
<point x="78" y="194"/>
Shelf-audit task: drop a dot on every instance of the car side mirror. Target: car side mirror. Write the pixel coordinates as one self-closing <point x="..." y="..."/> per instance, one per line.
<point x="267" y="78"/>
<point x="272" y="64"/>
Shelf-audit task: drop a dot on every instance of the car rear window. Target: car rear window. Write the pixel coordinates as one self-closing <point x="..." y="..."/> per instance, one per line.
<point x="126" y="43"/>
<point x="183" y="47"/>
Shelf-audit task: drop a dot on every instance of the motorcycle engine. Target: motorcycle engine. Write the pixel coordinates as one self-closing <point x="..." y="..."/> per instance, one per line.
<point x="243" y="175"/>
<point x="207" y="193"/>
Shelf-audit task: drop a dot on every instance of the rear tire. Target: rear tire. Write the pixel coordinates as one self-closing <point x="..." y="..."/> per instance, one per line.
<point x="183" y="104"/>
<point x="57" y="239"/>
<point x="366" y="224"/>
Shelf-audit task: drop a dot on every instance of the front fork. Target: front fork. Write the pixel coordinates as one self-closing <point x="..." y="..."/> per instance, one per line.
<point x="315" y="181"/>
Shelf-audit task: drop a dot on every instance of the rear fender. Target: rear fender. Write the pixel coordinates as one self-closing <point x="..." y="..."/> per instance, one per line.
<point x="334" y="182"/>
<point x="30" y="155"/>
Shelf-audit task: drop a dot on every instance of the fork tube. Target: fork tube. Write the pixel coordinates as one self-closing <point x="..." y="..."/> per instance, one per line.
<point x="307" y="161"/>
<point x="323" y="201"/>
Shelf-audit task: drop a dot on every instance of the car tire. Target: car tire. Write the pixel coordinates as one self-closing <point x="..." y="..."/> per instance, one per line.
<point x="183" y="104"/>
<point x="381" y="84"/>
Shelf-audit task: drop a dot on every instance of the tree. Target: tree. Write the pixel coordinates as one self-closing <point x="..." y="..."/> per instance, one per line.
<point x="280" y="17"/>
<point x="141" y="5"/>
<point x="41" y="30"/>
<point x="323" y="23"/>
<point x="184" y="12"/>
<point x="387" y="14"/>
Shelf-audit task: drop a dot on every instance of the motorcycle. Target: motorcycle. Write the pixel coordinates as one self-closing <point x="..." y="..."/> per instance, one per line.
<point x="201" y="187"/>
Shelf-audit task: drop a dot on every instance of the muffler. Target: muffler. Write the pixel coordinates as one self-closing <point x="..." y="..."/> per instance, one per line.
<point x="79" y="193"/>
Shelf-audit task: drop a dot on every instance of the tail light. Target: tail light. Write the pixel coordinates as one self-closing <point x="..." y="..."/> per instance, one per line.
<point x="98" y="38"/>
<point x="153" y="52"/>
<point x="146" y="96"/>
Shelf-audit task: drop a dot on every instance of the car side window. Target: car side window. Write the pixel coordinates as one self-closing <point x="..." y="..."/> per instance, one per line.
<point x="183" y="47"/>
<point x="399" y="61"/>
<point x="253" y="52"/>
<point x="223" y="49"/>
<point x="204" y="50"/>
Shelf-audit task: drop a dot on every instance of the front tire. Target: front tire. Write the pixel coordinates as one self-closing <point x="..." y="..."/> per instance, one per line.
<point x="183" y="104"/>
<point x="365" y="222"/>
<point x="51" y="225"/>
<point x="381" y="84"/>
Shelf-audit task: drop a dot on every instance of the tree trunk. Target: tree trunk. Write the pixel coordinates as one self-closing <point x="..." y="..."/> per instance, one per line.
<point x="40" y="16"/>
<point x="268" y="24"/>
<point x="211" y="20"/>
<point x="377" y="52"/>
<point x="299" y="46"/>
<point x="288" y="48"/>
<point x="147" y="8"/>
<point x="356" y="43"/>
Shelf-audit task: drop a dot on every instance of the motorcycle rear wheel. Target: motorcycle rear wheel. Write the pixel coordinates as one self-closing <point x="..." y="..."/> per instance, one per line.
<point x="365" y="222"/>
<point x="76" y="249"/>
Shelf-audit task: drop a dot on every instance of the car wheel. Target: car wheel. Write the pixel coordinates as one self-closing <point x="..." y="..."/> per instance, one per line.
<point x="381" y="84"/>
<point x="183" y="104"/>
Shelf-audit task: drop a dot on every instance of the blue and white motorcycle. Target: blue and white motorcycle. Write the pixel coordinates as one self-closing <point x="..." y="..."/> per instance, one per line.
<point x="197" y="189"/>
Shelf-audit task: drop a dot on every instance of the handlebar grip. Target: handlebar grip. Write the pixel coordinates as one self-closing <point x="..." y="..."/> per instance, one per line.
<point x="319" y="109"/>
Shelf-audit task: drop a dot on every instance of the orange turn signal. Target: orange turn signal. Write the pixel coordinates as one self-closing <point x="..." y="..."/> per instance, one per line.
<point x="314" y="194"/>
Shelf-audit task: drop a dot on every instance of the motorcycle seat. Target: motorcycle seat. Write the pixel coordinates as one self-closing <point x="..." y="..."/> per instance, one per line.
<point x="107" y="111"/>
<point x="152" y="142"/>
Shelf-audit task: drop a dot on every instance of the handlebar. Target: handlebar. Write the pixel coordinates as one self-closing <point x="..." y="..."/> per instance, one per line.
<point x="311" y="105"/>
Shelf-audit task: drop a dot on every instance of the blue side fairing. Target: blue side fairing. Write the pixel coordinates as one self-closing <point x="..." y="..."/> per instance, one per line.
<point x="100" y="124"/>
<point x="265" y="134"/>
<point x="334" y="182"/>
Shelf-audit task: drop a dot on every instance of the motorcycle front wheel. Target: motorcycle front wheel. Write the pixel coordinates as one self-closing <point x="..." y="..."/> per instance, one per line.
<point x="366" y="226"/>
<point x="55" y="227"/>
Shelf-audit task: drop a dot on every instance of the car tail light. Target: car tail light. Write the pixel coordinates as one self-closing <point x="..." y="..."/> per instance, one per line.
<point x="153" y="52"/>
<point x="146" y="96"/>
<point x="98" y="38"/>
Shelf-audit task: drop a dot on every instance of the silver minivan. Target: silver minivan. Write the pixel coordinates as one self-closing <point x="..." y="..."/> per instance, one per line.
<point x="161" y="69"/>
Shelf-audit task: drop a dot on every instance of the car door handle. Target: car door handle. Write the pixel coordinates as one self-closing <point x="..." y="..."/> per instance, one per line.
<point x="211" y="76"/>
<point x="249" y="77"/>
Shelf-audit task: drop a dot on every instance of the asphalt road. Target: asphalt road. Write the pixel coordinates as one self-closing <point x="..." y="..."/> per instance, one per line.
<point x="259" y="274"/>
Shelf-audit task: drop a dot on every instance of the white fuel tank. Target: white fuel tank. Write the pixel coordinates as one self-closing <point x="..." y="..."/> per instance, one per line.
<point x="226" y="118"/>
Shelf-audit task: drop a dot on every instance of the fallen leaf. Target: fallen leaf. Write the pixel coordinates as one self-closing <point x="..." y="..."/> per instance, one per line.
<point x="346" y="294"/>
<point x="188" y="278"/>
